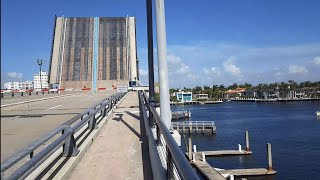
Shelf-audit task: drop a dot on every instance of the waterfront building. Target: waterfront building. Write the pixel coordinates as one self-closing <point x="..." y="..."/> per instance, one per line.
<point x="41" y="82"/>
<point x="311" y="92"/>
<point x="201" y="97"/>
<point x="184" y="96"/>
<point x="232" y="93"/>
<point x="251" y="93"/>
<point x="94" y="52"/>
<point x="305" y="92"/>
<point x="18" y="85"/>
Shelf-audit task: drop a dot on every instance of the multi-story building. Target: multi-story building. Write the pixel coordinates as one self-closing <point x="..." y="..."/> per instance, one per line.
<point x="18" y="85"/>
<point x="232" y="93"/>
<point x="93" y="52"/>
<point x="201" y="97"/>
<point x="184" y="96"/>
<point x="41" y="83"/>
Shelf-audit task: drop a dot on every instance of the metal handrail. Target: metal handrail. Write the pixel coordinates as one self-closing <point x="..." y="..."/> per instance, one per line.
<point x="66" y="140"/>
<point x="174" y="155"/>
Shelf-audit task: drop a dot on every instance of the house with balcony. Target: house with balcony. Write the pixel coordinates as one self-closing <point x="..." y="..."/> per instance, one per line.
<point x="184" y="96"/>
<point x="233" y="93"/>
<point x="201" y="97"/>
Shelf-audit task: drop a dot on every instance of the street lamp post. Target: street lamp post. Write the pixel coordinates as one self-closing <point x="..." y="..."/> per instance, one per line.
<point x="150" y="52"/>
<point x="39" y="61"/>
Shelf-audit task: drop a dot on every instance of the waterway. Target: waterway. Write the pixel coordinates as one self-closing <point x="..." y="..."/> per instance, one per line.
<point x="292" y="128"/>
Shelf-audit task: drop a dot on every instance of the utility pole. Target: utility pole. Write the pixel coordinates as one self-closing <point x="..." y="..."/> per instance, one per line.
<point x="39" y="61"/>
<point x="165" y="112"/>
<point x="150" y="52"/>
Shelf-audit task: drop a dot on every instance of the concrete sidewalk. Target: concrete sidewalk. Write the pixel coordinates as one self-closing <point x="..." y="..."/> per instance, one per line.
<point x="120" y="150"/>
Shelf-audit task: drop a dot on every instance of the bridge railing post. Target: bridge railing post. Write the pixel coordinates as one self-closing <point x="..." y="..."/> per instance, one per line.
<point x="70" y="146"/>
<point x="169" y="165"/>
<point x="104" y="111"/>
<point x="93" y="123"/>
<point x="158" y="135"/>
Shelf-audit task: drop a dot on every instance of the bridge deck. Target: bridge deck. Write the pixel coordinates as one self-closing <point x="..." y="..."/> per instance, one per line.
<point x="23" y="123"/>
<point x="120" y="150"/>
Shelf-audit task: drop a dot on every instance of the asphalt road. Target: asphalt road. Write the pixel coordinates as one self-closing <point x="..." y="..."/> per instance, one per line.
<point x="21" y="124"/>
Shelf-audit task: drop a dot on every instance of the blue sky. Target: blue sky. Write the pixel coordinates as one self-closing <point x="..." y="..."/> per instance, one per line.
<point x="209" y="41"/>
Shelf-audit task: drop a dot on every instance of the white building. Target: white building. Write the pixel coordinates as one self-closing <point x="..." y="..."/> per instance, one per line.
<point x="184" y="96"/>
<point x="18" y="85"/>
<point x="44" y="80"/>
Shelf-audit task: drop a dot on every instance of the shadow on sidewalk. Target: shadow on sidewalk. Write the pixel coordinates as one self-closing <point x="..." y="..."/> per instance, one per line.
<point x="133" y="115"/>
<point x="147" y="171"/>
<point x="126" y="124"/>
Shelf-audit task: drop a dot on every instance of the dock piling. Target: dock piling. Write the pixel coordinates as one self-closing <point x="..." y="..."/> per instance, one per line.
<point x="190" y="149"/>
<point x="193" y="157"/>
<point x="203" y="157"/>
<point x="239" y="145"/>
<point x="269" y="157"/>
<point x="247" y="141"/>
<point x="197" y="126"/>
<point x="183" y="128"/>
<point x="203" y="127"/>
<point x="231" y="177"/>
<point x="194" y="148"/>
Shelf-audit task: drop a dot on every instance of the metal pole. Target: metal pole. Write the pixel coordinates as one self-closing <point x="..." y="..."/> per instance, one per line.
<point x="150" y="52"/>
<point x="39" y="61"/>
<point x="269" y="157"/>
<point x="190" y="149"/>
<point x="165" y="112"/>
<point x="247" y="141"/>
<point x="40" y="78"/>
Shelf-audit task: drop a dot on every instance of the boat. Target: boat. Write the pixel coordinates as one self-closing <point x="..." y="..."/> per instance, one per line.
<point x="318" y="113"/>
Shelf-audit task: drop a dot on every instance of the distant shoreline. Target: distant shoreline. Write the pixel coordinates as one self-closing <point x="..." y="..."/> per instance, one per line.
<point x="276" y="100"/>
<point x="244" y="100"/>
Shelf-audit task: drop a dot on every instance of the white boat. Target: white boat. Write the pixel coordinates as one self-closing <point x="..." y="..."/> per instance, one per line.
<point x="318" y="113"/>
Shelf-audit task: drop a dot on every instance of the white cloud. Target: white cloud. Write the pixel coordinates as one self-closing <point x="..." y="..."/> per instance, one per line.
<point x="278" y="74"/>
<point x="15" y="75"/>
<point x="176" y="66"/>
<point x="143" y="72"/>
<point x="316" y="60"/>
<point x="295" y="69"/>
<point x="180" y="74"/>
<point x="213" y="71"/>
<point x="230" y="67"/>
<point x="254" y="63"/>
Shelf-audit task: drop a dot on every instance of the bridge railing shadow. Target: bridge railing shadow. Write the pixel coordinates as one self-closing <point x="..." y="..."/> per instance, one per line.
<point x="68" y="137"/>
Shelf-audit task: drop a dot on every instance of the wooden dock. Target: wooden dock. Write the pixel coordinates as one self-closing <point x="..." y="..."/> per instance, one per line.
<point x="199" y="161"/>
<point x="177" y="115"/>
<point x="213" y="102"/>
<point x="184" y="103"/>
<point x="224" y="153"/>
<point x="215" y="173"/>
<point x="206" y="170"/>
<point x="194" y="126"/>
<point x="247" y="172"/>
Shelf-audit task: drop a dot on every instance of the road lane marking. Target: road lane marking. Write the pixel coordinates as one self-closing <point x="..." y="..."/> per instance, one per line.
<point x="23" y="102"/>
<point x="54" y="107"/>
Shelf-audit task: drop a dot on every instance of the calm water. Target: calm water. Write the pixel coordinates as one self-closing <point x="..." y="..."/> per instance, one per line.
<point x="292" y="128"/>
